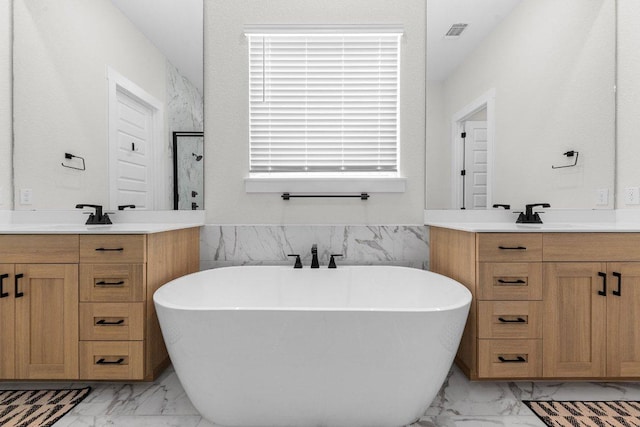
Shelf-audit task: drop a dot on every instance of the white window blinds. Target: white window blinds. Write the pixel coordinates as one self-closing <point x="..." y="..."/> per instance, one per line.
<point x="324" y="101"/>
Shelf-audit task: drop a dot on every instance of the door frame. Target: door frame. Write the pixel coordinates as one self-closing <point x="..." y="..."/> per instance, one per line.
<point x="118" y="83"/>
<point x="488" y="101"/>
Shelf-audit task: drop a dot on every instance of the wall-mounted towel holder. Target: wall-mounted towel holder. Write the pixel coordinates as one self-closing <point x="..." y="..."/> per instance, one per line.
<point x="70" y="156"/>
<point x="361" y="196"/>
<point x="570" y="153"/>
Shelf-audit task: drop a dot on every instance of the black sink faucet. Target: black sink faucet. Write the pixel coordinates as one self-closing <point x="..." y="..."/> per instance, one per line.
<point x="530" y="217"/>
<point x="98" y="217"/>
<point x="314" y="256"/>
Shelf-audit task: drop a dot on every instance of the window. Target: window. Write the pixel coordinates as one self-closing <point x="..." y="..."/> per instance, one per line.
<point x="324" y="100"/>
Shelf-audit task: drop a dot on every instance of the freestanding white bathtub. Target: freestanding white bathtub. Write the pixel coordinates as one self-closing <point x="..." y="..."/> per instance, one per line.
<point x="277" y="346"/>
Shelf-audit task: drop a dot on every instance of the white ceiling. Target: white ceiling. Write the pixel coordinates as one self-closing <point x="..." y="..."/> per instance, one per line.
<point x="176" y="28"/>
<point x="173" y="26"/>
<point x="445" y="55"/>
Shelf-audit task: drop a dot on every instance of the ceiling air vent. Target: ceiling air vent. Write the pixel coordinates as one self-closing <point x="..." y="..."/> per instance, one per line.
<point x="455" y="31"/>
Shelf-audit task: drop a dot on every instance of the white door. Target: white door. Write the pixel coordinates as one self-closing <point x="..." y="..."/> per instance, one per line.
<point x="133" y="169"/>
<point x="475" y="164"/>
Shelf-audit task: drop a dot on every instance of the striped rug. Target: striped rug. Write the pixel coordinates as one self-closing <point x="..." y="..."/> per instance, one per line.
<point x="586" y="414"/>
<point x="37" y="408"/>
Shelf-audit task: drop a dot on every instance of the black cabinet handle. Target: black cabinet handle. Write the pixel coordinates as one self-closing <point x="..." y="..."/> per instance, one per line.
<point x="103" y="283"/>
<point x="513" y="248"/>
<point x="109" y="249"/>
<point x="18" y="293"/>
<point x="106" y="362"/>
<point x="518" y="359"/>
<point x="619" y="276"/>
<point x="3" y="294"/>
<point x="512" y="282"/>
<point x="518" y="320"/>
<point x="106" y="323"/>
<point x="603" y="292"/>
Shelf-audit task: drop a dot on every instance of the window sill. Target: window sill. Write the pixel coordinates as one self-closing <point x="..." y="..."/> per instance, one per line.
<point x="325" y="184"/>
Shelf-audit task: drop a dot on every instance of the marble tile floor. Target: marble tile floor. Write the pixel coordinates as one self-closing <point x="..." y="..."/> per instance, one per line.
<point x="460" y="403"/>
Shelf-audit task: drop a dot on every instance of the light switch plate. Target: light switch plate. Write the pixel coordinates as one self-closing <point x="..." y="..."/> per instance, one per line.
<point x="632" y="196"/>
<point x="26" y="196"/>
<point x="602" y="196"/>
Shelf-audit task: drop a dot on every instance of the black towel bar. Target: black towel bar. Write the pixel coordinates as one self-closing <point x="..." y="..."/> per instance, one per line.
<point x="361" y="196"/>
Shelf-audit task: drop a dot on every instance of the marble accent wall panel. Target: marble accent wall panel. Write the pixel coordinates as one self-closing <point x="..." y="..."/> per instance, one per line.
<point x="185" y="113"/>
<point x="223" y="245"/>
<point x="184" y="103"/>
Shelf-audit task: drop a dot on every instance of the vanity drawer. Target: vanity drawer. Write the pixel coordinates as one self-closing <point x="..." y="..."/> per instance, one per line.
<point x="510" y="281"/>
<point x="29" y="249"/>
<point x="111" y="321"/>
<point x="509" y="247"/>
<point x="112" y="282"/>
<point x="592" y="247"/>
<point x="509" y="358"/>
<point x="510" y="319"/>
<point x="111" y="360"/>
<point x="113" y="248"/>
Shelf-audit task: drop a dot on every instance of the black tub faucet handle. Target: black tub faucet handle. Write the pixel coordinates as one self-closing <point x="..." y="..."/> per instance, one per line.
<point x="332" y="261"/>
<point x="298" y="263"/>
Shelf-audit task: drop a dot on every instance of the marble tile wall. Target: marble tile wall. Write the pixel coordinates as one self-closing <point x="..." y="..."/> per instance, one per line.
<point x="224" y="245"/>
<point x="185" y="113"/>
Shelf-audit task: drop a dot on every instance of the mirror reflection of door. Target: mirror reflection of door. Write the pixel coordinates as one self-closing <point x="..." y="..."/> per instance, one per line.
<point x="188" y="170"/>
<point x="472" y="153"/>
<point x="475" y="164"/>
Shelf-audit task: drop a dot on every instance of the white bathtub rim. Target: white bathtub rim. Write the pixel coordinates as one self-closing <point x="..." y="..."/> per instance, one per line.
<point x="464" y="302"/>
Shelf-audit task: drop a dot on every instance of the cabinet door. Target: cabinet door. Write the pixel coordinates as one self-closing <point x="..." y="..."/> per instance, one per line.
<point x="574" y="320"/>
<point x="623" y="320"/>
<point x="47" y="321"/>
<point x="7" y="316"/>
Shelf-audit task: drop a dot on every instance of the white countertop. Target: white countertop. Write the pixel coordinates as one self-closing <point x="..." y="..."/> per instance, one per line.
<point x="554" y="221"/>
<point x="73" y="222"/>
<point x="92" y="229"/>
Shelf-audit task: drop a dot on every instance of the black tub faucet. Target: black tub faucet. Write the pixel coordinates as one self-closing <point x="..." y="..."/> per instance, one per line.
<point x="314" y="256"/>
<point x="95" y="218"/>
<point x="529" y="216"/>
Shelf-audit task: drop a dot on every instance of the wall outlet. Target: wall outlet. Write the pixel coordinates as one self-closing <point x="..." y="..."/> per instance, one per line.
<point x="602" y="196"/>
<point x="26" y="196"/>
<point x="632" y="196"/>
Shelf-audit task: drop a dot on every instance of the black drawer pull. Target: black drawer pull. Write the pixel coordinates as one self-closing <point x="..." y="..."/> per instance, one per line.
<point x="18" y="293"/>
<point x="603" y="292"/>
<point x="103" y="283"/>
<point x="518" y="320"/>
<point x="619" y="291"/>
<point x="106" y="323"/>
<point x="512" y="282"/>
<point x="110" y="249"/>
<point x="513" y="248"/>
<point x="518" y="359"/>
<point x="3" y="294"/>
<point x="106" y="362"/>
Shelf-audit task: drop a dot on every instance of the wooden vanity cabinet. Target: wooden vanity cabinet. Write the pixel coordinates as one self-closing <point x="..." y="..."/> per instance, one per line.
<point x="540" y="309"/>
<point x="39" y="308"/>
<point x="120" y="337"/>
<point x="592" y="305"/>
<point x="83" y="305"/>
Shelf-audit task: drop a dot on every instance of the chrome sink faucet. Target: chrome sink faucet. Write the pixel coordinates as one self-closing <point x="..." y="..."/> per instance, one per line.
<point x="314" y="256"/>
